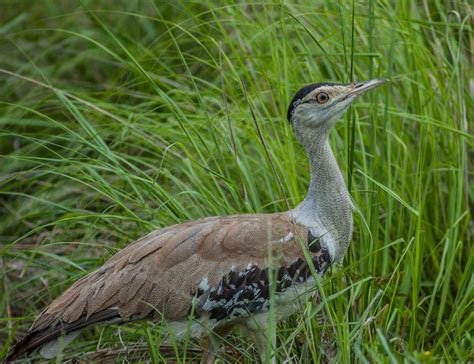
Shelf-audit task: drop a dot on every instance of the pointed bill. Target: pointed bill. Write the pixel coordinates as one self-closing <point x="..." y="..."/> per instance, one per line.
<point x="362" y="87"/>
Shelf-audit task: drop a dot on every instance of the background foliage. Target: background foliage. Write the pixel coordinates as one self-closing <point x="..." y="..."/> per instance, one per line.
<point x="117" y="118"/>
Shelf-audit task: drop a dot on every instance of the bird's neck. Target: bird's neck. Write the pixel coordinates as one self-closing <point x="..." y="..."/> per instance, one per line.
<point x="327" y="208"/>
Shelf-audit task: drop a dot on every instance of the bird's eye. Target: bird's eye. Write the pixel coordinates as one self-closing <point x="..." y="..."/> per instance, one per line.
<point x="322" y="97"/>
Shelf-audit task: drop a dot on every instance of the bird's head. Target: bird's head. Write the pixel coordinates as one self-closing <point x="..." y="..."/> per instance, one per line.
<point x="317" y="107"/>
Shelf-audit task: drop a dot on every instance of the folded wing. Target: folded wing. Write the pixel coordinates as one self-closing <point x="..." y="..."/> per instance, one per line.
<point x="222" y="264"/>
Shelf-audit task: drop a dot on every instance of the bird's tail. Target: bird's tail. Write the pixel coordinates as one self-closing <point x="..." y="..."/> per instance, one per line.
<point x="51" y="338"/>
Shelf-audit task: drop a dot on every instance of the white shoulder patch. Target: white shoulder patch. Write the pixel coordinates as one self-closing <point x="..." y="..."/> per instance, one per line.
<point x="204" y="284"/>
<point x="287" y="238"/>
<point x="317" y="228"/>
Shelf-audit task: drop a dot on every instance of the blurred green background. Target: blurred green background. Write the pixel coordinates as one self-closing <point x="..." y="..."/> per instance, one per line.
<point x="119" y="117"/>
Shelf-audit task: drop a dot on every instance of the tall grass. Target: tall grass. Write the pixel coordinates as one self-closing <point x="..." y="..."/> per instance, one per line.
<point x="117" y="118"/>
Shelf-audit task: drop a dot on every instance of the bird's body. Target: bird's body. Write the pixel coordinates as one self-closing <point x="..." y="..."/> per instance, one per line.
<point x="205" y="277"/>
<point x="217" y="269"/>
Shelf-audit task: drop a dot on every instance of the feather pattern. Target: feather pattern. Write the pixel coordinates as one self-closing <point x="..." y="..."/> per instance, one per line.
<point x="160" y="275"/>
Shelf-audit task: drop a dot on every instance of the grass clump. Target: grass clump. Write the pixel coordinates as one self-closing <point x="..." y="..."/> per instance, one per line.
<point x="117" y="118"/>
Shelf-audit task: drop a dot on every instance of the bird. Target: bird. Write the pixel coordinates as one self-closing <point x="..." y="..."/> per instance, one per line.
<point x="206" y="277"/>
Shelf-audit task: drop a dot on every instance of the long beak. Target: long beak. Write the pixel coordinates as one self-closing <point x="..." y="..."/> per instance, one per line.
<point x="362" y="87"/>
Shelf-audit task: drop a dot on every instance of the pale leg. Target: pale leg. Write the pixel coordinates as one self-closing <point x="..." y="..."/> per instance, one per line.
<point x="210" y="351"/>
<point x="265" y="345"/>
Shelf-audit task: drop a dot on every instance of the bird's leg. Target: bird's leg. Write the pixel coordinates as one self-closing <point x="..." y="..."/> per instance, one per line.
<point x="328" y="342"/>
<point x="265" y="345"/>
<point x="211" y="348"/>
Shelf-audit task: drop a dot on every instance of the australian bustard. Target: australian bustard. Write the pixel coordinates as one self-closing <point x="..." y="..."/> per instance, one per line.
<point x="216" y="271"/>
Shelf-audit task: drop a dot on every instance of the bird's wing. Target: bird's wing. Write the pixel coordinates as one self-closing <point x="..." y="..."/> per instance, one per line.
<point x="209" y="261"/>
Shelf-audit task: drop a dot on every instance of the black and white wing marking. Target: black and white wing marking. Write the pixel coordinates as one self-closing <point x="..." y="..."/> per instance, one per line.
<point x="241" y="293"/>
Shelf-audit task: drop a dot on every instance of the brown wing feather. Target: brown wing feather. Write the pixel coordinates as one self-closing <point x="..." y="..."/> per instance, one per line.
<point x="160" y="272"/>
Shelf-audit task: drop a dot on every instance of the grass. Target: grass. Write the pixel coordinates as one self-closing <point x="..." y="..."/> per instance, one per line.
<point x="117" y="118"/>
